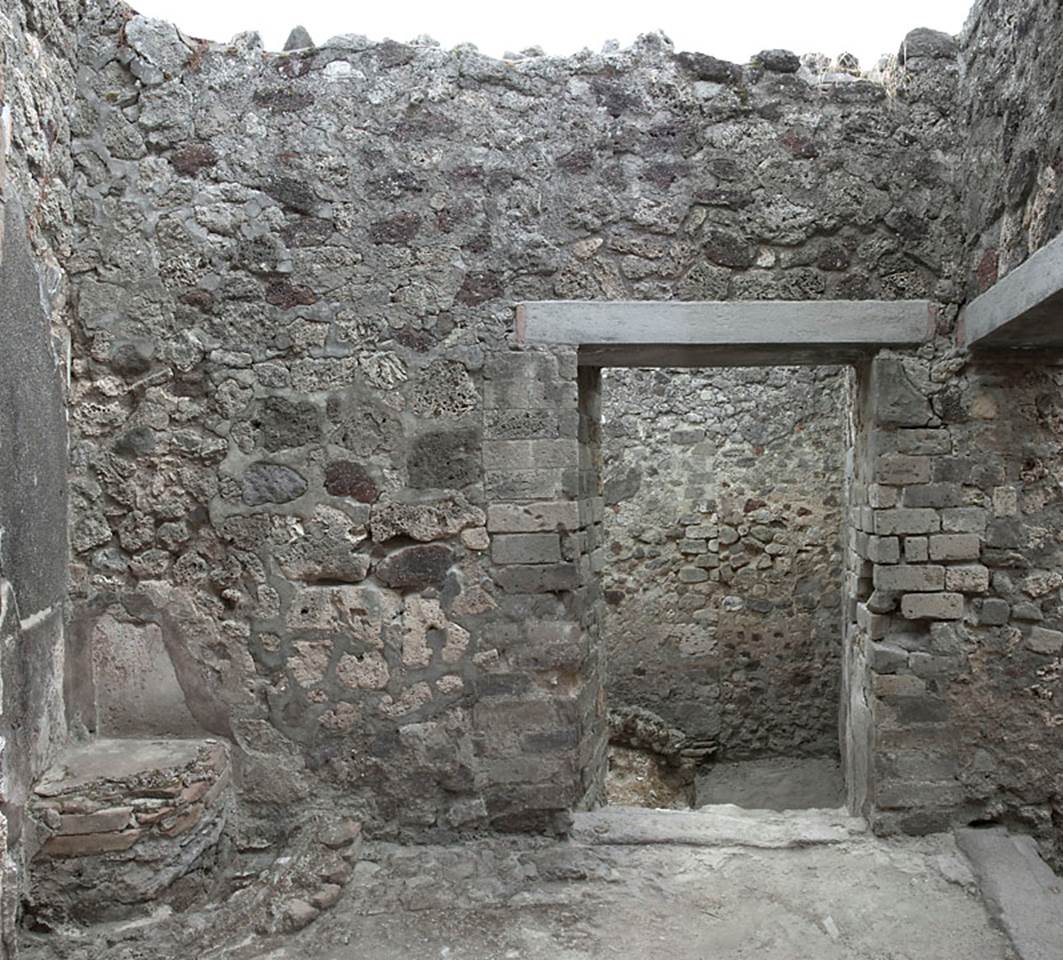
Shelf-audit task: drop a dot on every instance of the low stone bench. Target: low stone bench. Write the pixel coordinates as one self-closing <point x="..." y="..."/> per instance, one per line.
<point x="124" y="824"/>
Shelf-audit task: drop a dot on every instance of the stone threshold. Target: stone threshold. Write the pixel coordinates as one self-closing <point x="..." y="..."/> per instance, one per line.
<point x="722" y="825"/>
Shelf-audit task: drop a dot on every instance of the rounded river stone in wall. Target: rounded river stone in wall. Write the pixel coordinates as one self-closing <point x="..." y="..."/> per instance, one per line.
<point x="414" y="568"/>
<point x="271" y="483"/>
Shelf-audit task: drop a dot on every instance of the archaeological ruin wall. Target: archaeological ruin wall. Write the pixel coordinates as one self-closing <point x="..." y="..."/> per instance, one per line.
<point x="991" y="723"/>
<point x="327" y="508"/>
<point x="978" y="693"/>
<point x="322" y="484"/>
<point x="1011" y="101"/>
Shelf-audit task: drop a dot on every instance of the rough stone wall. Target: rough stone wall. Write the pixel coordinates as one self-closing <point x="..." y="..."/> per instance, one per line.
<point x="723" y="495"/>
<point x="991" y="713"/>
<point x="956" y="571"/>
<point x="37" y="49"/>
<point x="1011" y="101"/>
<point x="956" y="576"/>
<point x="308" y="468"/>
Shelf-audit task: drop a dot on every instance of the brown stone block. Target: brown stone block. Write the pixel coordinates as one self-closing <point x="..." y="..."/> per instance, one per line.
<point x="876" y="624"/>
<point x="527" y="518"/>
<point x="906" y="520"/>
<point x="916" y="550"/>
<point x="964" y="520"/>
<point x="955" y="546"/>
<point x="898" y="469"/>
<point x="102" y="821"/>
<point x="897" y="685"/>
<point x="913" y="577"/>
<point x="967" y="578"/>
<point x="547" y="484"/>
<point x="933" y="495"/>
<point x="193" y="792"/>
<point x="931" y="666"/>
<point x="902" y="794"/>
<point x="538" y="578"/>
<point x="917" y="764"/>
<point x="91" y="844"/>
<point x="183" y="822"/>
<point x="1043" y="640"/>
<point x="526" y="548"/>
<point x="148" y="818"/>
<point x="883" y="549"/>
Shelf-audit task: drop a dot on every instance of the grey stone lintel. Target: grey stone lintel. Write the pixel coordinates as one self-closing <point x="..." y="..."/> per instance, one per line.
<point x="1022" y="311"/>
<point x="724" y="333"/>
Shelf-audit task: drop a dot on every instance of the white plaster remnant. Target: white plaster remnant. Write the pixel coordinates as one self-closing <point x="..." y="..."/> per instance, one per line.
<point x="35" y="619"/>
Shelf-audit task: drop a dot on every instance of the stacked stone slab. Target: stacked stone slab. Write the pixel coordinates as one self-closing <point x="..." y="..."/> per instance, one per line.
<point x="127" y="824"/>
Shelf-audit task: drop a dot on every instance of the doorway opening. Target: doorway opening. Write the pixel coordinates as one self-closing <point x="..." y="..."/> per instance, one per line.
<point x="721" y="620"/>
<point x="755" y="713"/>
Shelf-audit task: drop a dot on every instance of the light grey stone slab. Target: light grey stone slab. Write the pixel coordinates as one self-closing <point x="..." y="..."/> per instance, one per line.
<point x="33" y="431"/>
<point x="724" y="333"/>
<point x="721" y="825"/>
<point x="1024" y="310"/>
<point x="1020" y="890"/>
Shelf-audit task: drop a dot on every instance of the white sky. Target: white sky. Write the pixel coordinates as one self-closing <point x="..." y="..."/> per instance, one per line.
<point x="732" y="31"/>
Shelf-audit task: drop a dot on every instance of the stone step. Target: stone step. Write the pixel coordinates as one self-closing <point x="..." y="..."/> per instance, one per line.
<point x="724" y="825"/>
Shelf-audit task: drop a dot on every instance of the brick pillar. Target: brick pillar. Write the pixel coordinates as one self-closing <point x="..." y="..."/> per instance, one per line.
<point x="539" y="719"/>
<point x="914" y="551"/>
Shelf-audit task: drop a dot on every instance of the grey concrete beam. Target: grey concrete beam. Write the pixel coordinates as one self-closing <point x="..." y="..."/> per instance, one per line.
<point x="725" y="333"/>
<point x="1024" y="310"/>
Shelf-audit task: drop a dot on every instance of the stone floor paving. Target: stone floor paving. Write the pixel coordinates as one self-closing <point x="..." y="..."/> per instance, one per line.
<point x="717" y="884"/>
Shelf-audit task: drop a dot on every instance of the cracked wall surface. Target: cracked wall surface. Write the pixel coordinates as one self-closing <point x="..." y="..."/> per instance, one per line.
<point x="1010" y="101"/>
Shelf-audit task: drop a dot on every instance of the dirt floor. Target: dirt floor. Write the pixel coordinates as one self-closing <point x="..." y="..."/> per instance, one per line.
<point x="639" y="778"/>
<point x="629" y="884"/>
<point x="778" y="783"/>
